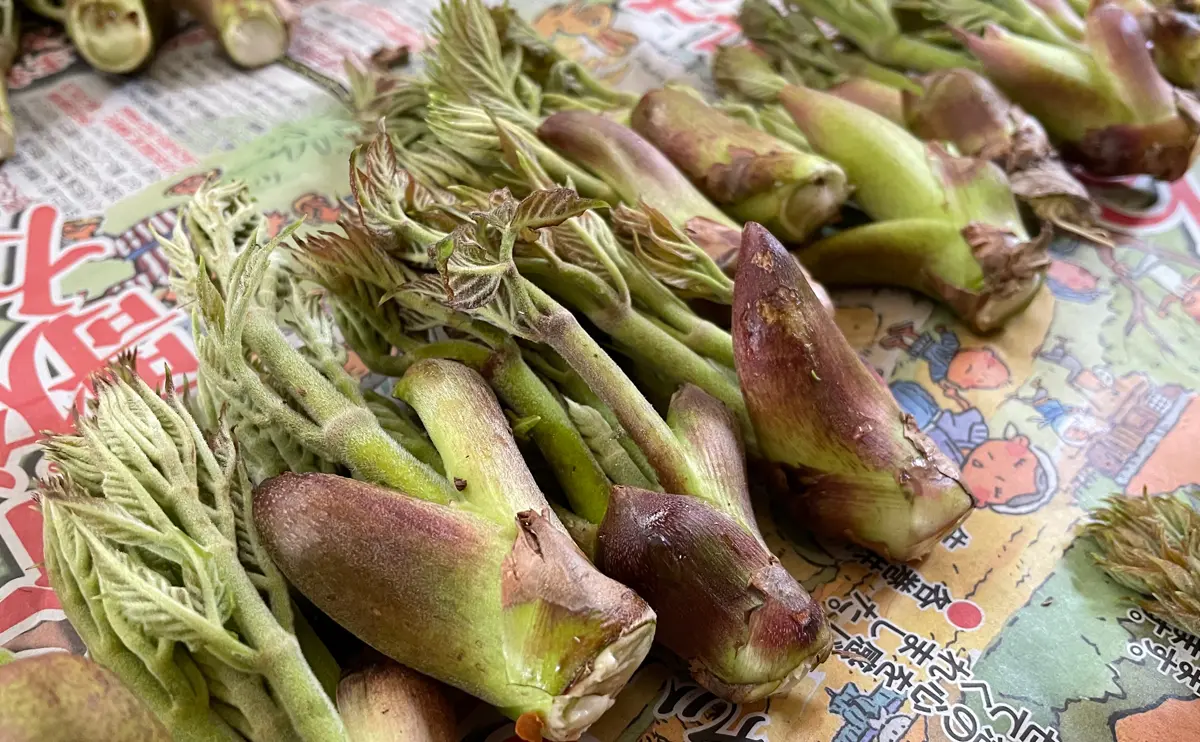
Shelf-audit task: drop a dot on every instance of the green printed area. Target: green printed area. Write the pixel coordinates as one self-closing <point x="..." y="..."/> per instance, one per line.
<point x="1062" y="656"/>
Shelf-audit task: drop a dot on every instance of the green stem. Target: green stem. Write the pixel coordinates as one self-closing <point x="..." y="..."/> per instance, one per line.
<point x="638" y="337"/>
<point x="464" y="351"/>
<point x="516" y="384"/>
<point x="247" y="694"/>
<point x="349" y="429"/>
<point x="586" y="486"/>
<point x="699" y="334"/>
<point x="573" y="385"/>
<point x="408" y="434"/>
<point x="469" y="428"/>
<point x="639" y="418"/>
<point x="279" y="657"/>
<point x="914" y="54"/>
<point x="324" y="665"/>
<point x="647" y="343"/>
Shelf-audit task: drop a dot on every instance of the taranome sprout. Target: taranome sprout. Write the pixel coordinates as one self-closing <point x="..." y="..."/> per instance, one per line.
<point x="1151" y="545"/>
<point x="855" y="465"/>
<point x="151" y="547"/>
<point x="1107" y="106"/>
<point x="945" y="225"/>
<point x="753" y="174"/>
<point x="117" y="36"/>
<point x="524" y="621"/>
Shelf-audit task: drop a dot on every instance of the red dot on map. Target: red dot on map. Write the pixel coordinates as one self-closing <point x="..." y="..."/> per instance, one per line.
<point x="964" y="614"/>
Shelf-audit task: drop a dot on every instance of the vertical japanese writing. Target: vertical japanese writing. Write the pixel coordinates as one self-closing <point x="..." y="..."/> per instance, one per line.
<point x="54" y="342"/>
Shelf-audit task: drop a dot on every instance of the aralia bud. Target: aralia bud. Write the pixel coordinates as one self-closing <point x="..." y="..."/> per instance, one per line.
<point x="1107" y="105"/>
<point x="857" y="466"/>
<point x="629" y="164"/>
<point x="732" y="612"/>
<point x="753" y="175"/>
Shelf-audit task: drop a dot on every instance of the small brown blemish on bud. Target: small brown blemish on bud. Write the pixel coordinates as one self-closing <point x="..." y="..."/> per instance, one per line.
<point x="763" y="259"/>
<point x="767" y="311"/>
<point x="460" y="484"/>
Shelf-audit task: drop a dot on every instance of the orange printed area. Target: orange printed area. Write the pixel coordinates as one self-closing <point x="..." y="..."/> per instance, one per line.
<point x="1174" y="719"/>
<point x="1174" y="462"/>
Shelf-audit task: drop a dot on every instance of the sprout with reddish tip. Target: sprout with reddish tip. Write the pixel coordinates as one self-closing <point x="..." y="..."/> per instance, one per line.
<point x="857" y="465"/>
<point x="1108" y="106"/>
<point x="945" y="225"/>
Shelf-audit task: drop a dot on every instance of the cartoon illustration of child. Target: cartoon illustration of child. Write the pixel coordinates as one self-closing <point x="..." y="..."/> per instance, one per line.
<point x="1087" y="380"/>
<point x="1009" y="475"/>
<point x="1072" y="282"/>
<point x="1190" y="300"/>
<point x="1073" y="425"/>
<point x="1005" y="474"/>
<point x="868" y="717"/>
<point x="956" y="433"/>
<point x="954" y="368"/>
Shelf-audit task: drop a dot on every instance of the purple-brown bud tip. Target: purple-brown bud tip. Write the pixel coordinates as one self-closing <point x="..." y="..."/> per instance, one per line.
<point x="858" y="468"/>
<point x="725" y="604"/>
<point x="962" y="107"/>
